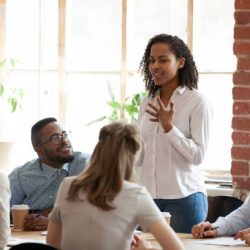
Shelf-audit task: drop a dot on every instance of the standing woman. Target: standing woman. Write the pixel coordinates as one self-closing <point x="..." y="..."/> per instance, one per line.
<point x="4" y="210"/>
<point x="174" y="121"/>
<point x="102" y="207"/>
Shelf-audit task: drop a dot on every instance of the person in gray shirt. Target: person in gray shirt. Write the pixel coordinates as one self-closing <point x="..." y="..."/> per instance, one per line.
<point x="236" y="223"/>
<point x="36" y="182"/>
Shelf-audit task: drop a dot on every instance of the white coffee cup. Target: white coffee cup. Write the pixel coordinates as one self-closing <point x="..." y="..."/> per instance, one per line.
<point x="167" y="216"/>
<point x="19" y="212"/>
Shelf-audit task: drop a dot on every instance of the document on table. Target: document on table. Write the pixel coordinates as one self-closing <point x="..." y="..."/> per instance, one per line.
<point x="221" y="241"/>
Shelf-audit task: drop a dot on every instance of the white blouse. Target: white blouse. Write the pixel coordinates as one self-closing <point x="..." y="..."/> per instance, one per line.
<point x="170" y="161"/>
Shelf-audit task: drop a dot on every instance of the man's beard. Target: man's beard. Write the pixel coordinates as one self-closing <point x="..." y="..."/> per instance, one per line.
<point x="70" y="158"/>
<point x="58" y="158"/>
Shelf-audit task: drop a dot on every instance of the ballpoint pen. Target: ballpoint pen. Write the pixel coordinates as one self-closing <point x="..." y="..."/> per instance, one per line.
<point x="211" y="228"/>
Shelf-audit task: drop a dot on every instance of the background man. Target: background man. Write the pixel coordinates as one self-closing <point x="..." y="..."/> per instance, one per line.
<point x="36" y="182"/>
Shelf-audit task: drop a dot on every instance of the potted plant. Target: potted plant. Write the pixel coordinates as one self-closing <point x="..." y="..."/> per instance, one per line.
<point x="10" y="115"/>
<point x="127" y="111"/>
<point x="10" y="96"/>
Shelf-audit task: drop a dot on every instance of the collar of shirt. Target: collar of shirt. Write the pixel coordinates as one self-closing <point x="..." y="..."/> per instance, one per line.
<point x="179" y="90"/>
<point x="49" y="171"/>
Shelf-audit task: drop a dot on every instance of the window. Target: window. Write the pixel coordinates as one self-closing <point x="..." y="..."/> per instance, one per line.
<point x="71" y="51"/>
<point x="213" y="52"/>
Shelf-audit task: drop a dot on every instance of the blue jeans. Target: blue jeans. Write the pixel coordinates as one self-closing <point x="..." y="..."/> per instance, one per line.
<point x="185" y="212"/>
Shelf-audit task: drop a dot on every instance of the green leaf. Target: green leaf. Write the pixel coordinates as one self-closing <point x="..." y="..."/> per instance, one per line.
<point x="13" y="63"/>
<point x="96" y="120"/>
<point x="114" y="116"/>
<point x="1" y="89"/>
<point x="14" y="104"/>
<point x="121" y="111"/>
<point x="131" y="108"/>
<point x="10" y="94"/>
<point x="114" y="104"/>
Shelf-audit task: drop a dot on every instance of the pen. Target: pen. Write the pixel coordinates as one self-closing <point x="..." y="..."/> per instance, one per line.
<point x="212" y="228"/>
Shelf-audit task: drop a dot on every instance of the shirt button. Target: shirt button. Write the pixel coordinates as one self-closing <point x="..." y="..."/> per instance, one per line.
<point x="51" y="197"/>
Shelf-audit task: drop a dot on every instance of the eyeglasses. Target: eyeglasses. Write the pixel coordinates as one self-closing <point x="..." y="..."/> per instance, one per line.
<point x="57" y="138"/>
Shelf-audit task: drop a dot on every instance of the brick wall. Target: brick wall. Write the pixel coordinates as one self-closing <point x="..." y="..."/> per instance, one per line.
<point x="240" y="168"/>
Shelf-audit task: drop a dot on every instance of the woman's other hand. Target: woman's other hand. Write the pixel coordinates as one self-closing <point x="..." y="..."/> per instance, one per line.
<point x="243" y="235"/>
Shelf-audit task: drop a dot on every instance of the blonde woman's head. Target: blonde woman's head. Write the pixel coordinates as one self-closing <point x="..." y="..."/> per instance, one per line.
<point x="111" y="163"/>
<point x="116" y="149"/>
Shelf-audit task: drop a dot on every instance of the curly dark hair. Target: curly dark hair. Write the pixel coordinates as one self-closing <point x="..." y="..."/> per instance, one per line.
<point x="188" y="75"/>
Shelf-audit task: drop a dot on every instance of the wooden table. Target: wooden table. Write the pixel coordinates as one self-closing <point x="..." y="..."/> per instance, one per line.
<point x="18" y="237"/>
<point x="33" y="235"/>
<point x="189" y="243"/>
<point x="187" y="239"/>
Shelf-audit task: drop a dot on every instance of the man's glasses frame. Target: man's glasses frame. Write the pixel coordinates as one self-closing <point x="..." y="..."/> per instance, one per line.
<point x="57" y="138"/>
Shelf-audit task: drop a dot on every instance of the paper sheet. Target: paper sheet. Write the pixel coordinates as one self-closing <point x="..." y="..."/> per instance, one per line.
<point x="221" y="241"/>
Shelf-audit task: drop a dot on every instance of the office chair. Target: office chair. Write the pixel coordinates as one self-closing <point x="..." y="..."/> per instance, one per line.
<point x="32" y="246"/>
<point x="221" y="206"/>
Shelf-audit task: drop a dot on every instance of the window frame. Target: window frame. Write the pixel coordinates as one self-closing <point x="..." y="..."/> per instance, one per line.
<point x="123" y="73"/>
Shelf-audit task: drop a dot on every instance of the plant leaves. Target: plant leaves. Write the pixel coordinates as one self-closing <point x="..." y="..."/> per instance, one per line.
<point x="10" y="94"/>
<point x="1" y="89"/>
<point x="114" y="104"/>
<point x="96" y="120"/>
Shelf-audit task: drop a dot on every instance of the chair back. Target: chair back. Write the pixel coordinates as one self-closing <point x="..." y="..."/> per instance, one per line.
<point x="32" y="246"/>
<point x="221" y="206"/>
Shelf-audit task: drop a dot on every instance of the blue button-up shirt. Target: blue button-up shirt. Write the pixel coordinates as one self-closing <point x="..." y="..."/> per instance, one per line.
<point x="36" y="184"/>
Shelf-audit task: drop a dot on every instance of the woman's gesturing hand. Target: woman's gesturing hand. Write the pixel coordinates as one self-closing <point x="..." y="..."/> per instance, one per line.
<point x="161" y="115"/>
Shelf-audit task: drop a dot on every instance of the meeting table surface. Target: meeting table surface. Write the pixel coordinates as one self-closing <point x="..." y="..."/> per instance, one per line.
<point x="187" y="239"/>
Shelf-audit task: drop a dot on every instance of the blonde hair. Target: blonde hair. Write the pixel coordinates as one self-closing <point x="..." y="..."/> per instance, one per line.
<point x="111" y="163"/>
